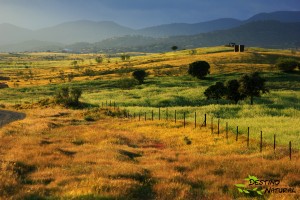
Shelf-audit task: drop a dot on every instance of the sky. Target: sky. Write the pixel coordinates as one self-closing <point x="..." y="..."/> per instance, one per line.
<point x="36" y="14"/>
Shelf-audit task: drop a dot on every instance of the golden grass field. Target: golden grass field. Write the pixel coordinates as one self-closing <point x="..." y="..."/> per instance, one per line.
<point x="55" y="154"/>
<point x="58" y="153"/>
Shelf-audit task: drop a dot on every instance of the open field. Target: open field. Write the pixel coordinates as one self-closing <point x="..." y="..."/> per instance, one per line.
<point x="58" y="153"/>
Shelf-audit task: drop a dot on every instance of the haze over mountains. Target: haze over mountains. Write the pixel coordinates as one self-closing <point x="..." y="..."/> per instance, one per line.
<point x="278" y="30"/>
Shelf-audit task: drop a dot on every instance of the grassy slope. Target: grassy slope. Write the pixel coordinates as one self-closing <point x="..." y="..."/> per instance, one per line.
<point x="55" y="154"/>
<point x="62" y="155"/>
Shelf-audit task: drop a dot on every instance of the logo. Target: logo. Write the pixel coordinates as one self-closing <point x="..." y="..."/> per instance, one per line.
<point x="243" y="189"/>
<point x="255" y="187"/>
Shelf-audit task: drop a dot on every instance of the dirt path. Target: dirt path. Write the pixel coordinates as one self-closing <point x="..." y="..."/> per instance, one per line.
<point x="7" y="117"/>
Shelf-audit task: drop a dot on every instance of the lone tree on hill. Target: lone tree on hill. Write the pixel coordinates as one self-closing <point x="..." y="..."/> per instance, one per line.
<point x="199" y="69"/>
<point x="69" y="97"/>
<point x="232" y="91"/>
<point x="287" y="64"/>
<point x="252" y="85"/>
<point x="216" y="91"/>
<point x="140" y="75"/>
<point x="99" y="59"/>
<point x="174" y="48"/>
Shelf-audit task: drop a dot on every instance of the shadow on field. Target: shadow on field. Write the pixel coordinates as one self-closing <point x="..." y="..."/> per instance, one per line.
<point x="7" y="117"/>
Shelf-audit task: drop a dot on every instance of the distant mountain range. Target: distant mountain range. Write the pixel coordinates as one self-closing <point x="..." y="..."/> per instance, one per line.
<point x="278" y="29"/>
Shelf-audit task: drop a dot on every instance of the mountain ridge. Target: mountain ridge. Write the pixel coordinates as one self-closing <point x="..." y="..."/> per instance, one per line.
<point x="86" y="31"/>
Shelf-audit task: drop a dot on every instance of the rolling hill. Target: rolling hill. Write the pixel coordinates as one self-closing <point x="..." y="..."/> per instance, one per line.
<point x="271" y="34"/>
<point x="276" y="30"/>
<point x="189" y="29"/>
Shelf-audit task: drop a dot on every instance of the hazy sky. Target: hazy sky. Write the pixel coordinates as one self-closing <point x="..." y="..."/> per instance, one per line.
<point x="36" y="14"/>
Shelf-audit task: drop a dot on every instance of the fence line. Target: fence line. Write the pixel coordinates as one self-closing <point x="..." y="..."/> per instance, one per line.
<point x="110" y="104"/>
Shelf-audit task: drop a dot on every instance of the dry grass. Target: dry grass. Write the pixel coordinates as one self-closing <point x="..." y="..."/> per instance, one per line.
<point x="46" y="67"/>
<point x="56" y="154"/>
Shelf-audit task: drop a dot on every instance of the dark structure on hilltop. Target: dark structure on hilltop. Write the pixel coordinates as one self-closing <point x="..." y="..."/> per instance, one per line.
<point x="239" y="48"/>
<point x="236" y="47"/>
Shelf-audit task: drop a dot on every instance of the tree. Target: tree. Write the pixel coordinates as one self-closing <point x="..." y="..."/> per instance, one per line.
<point x="75" y="94"/>
<point x="74" y="63"/>
<point x="99" y="59"/>
<point x="68" y="96"/>
<point x="140" y="75"/>
<point x="62" y="75"/>
<point x="252" y="85"/>
<point x="71" y="76"/>
<point x="232" y="91"/>
<point x="287" y="64"/>
<point x="199" y="69"/>
<point x="125" y="57"/>
<point x="216" y="91"/>
<point x="174" y="48"/>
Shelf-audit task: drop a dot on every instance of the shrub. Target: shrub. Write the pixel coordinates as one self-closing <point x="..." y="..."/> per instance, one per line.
<point x="99" y="59"/>
<point x="89" y="118"/>
<point x="287" y="64"/>
<point x="232" y="91"/>
<point x="127" y="83"/>
<point x="199" y="69"/>
<point x="68" y="97"/>
<point x="187" y="140"/>
<point x="252" y="85"/>
<point x="174" y="48"/>
<point x="140" y="75"/>
<point x="216" y="91"/>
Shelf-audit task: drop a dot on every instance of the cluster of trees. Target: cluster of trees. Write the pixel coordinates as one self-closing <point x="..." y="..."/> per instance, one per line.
<point x="249" y="85"/>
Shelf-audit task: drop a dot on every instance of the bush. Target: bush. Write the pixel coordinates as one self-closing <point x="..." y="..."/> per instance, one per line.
<point x="232" y="91"/>
<point x="216" y="91"/>
<point x="127" y="83"/>
<point x="252" y="85"/>
<point x="249" y="85"/>
<point x="68" y="97"/>
<point x="287" y="64"/>
<point x="199" y="69"/>
<point x="140" y="75"/>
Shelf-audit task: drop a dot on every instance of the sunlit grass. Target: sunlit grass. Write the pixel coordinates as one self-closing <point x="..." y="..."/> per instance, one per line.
<point x="58" y="153"/>
<point x="130" y="159"/>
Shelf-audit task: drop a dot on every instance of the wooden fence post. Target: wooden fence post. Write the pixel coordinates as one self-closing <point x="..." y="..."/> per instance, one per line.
<point x="184" y="120"/>
<point x="145" y="116"/>
<point x="159" y="114"/>
<point x="227" y="131"/>
<point x="218" y="127"/>
<point x="195" y="119"/>
<point x="248" y="137"/>
<point x="274" y="142"/>
<point x="205" y="120"/>
<point x="152" y="115"/>
<point x="212" y="125"/>
<point x="290" y="147"/>
<point x="167" y="114"/>
<point x="261" y="145"/>
<point x="237" y="133"/>
<point x="175" y="116"/>
<point x="106" y="103"/>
